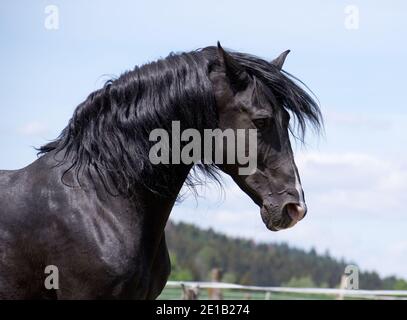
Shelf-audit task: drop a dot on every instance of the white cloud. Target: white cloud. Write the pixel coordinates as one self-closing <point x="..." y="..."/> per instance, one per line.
<point x="354" y="184"/>
<point x="356" y="210"/>
<point x="354" y="120"/>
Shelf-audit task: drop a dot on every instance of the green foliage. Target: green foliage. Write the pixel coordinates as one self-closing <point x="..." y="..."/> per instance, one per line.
<point x="302" y="282"/>
<point x="177" y="272"/>
<point x="195" y="252"/>
<point x="229" y="277"/>
<point x="400" y="285"/>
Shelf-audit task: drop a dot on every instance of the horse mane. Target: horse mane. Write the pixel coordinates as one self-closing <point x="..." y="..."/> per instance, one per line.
<point x="109" y="131"/>
<point x="283" y="91"/>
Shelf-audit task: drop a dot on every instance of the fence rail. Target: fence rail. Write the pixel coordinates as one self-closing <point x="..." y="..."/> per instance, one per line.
<point x="338" y="293"/>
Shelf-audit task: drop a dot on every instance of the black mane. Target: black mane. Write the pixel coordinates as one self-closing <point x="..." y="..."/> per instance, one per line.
<point x="109" y="131"/>
<point x="286" y="92"/>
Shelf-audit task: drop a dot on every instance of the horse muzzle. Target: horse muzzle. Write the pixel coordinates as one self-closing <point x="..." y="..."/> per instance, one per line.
<point x="277" y="219"/>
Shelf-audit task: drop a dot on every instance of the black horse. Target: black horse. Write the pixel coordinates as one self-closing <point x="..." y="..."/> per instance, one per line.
<point x="94" y="205"/>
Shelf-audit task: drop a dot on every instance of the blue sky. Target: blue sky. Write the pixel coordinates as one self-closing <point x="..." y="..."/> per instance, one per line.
<point x="355" y="176"/>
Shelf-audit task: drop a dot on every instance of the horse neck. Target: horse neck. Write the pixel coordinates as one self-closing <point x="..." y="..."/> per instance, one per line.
<point x="156" y="209"/>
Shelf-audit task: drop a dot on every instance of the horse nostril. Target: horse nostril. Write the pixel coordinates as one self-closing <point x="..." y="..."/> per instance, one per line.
<point x="295" y="211"/>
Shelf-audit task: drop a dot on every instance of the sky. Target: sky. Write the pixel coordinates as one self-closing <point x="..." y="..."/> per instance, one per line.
<point x="352" y="54"/>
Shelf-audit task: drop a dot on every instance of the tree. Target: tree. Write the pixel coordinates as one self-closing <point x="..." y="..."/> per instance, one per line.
<point x="177" y="272"/>
<point x="194" y="252"/>
<point x="302" y="282"/>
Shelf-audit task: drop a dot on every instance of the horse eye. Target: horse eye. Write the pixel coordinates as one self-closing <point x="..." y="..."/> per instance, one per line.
<point x="260" y="123"/>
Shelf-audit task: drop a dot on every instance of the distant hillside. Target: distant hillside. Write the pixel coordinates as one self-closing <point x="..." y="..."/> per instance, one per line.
<point x="194" y="252"/>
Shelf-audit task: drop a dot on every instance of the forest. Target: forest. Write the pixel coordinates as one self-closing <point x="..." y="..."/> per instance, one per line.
<point x="195" y="252"/>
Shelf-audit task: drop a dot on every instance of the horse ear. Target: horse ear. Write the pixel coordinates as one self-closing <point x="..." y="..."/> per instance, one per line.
<point x="238" y="77"/>
<point x="279" y="61"/>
